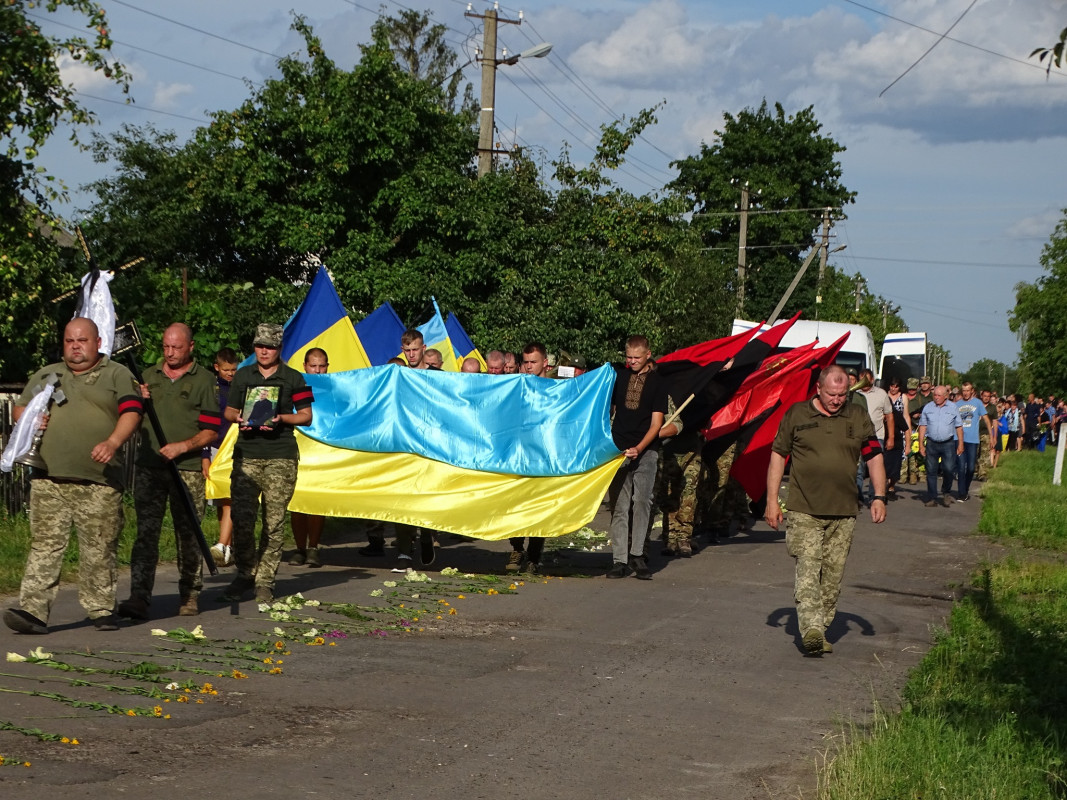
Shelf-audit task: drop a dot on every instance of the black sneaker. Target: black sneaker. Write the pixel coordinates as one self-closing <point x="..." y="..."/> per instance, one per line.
<point x="24" y="622"/>
<point x="374" y="549"/>
<point x="106" y="623"/>
<point x="618" y="570"/>
<point x="134" y="608"/>
<point x="963" y="499"/>
<point x="640" y="568"/>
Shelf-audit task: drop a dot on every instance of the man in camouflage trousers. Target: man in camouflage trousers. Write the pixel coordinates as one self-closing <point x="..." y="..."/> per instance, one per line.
<point x="183" y="395"/>
<point x="83" y="435"/>
<point x="676" y="485"/>
<point x="725" y="499"/>
<point x="264" y="463"/>
<point x="824" y="437"/>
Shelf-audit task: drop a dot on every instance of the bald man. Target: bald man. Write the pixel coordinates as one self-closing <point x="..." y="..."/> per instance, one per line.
<point x="82" y="450"/>
<point x="183" y="395"/>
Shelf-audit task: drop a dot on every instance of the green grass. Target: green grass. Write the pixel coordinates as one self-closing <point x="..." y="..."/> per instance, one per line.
<point x="985" y="713"/>
<point x="15" y="545"/>
<point x="1020" y="502"/>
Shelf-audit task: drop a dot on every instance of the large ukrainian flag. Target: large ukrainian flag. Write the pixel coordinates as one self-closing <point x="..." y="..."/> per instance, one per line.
<point x="488" y="456"/>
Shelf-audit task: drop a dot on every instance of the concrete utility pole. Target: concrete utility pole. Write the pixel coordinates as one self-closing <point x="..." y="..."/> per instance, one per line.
<point x="822" y="258"/>
<point x="486" y="121"/>
<point x="741" y="244"/>
<point x="859" y="293"/>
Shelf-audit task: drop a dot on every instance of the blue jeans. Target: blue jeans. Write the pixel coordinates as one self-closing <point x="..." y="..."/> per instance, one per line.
<point x="967" y="463"/>
<point x="943" y="454"/>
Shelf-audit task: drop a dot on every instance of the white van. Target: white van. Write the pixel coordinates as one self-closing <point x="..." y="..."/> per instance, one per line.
<point x="903" y="357"/>
<point x="857" y="351"/>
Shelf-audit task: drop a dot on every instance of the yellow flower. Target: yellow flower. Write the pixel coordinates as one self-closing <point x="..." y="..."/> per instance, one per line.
<point x="238" y="675"/>
<point x="333" y="644"/>
<point x="158" y="711"/>
<point x="279" y="661"/>
<point x="74" y="741"/>
<point x="166" y="716"/>
<point x="130" y="712"/>
<point x="443" y="602"/>
<point x="268" y="661"/>
<point x="167" y="699"/>
<point x="183" y="699"/>
<point x="279" y="645"/>
<point x="522" y="583"/>
<point x="512" y="586"/>
<point x="65" y="740"/>
<point x="276" y="671"/>
<point x="451" y="612"/>
<point x="440" y="617"/>
<point x="199" y="701"/>
<point x="460" y="597"/>
<point x="414" y="619"/>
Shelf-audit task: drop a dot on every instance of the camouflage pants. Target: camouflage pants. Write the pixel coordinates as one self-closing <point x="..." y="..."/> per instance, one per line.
<point x="981" y="469"/>
<point x="676" y="493"/>
<point x="273" y="479"/>
<point x="152" y="489"/>
<point x="820" y="546"/>
<point x="914" y="464"/>
<point x="95" y="511"/>
<point x="726" y="500"/>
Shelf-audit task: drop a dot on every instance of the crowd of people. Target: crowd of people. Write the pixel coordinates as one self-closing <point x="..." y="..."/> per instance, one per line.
<point x="884" y="436"/>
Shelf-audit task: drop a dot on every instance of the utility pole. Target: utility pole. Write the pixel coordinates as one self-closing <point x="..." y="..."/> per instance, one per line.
<point x="741" y="245"/>
<point x="859" y="293"/>
<point x="486" y="119"/>
<point x="885" y="316"/>
<point x="822" y="259"/>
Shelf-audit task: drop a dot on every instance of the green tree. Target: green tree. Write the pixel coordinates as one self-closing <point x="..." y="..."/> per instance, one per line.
<point x="988" y="373"/>
<point x="422" y="51"/>
<point x="34" y="100"/>
<point x="792" y="173"/>
<point x="1039" y="319"/>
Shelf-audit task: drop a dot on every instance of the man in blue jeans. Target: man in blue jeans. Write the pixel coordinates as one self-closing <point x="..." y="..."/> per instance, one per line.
<point x="940" y="441"/>
<point x="972" y="413"/>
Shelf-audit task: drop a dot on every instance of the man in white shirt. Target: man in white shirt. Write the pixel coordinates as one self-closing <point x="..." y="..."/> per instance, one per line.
<point x="880" y="409"/>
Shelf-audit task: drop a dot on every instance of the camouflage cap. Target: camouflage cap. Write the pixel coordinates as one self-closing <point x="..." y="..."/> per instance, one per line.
<point x="568" y="360"/>
<point x="913" y="383"/>
<point x="268" y="334"/>
<point x="925" y="379"/>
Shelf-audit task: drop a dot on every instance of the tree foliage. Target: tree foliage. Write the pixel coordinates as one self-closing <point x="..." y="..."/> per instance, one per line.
<point x="792" y="172"/>
<point x="1054" y="53"/>
<point x="1039" y="319"/>
<point x="34" y="100"/>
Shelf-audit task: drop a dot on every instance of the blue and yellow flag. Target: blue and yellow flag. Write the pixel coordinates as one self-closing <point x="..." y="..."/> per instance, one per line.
<point x="379" y="333"/>
<point x="321" y="321"/>
<point x="461" y="343"/>
<point x="481" y="455"/>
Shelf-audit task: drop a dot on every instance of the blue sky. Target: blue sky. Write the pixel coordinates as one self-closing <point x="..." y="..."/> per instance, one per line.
<point x="959" y="167"/>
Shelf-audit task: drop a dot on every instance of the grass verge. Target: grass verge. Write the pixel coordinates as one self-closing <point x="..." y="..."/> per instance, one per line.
<point x="15" y="545"/>
<point x="985" y="713"/>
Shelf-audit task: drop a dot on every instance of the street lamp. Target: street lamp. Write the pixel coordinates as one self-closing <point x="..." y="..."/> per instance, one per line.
<point x="486" y="121"/>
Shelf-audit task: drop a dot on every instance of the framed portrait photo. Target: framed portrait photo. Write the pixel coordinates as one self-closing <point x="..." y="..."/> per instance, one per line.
<point x="261" y="406"/>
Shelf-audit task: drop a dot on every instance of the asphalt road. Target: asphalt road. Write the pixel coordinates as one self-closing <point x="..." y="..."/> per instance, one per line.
<point x="692" y="684"/>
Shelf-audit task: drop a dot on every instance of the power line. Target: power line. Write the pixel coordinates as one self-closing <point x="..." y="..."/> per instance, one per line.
<point x="930" y="49"/>
<point x="146" y="50"/>
<point x="949" y="38"/>
<point x="947" y="263"/>
<point x="578" y="139"/>
<point x="197" y="30"/>
<point x="141" y="108"/>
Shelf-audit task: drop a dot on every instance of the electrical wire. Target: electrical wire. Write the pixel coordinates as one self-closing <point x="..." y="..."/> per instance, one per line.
<point x="141" y="108"/>
<point x="197" y="30"/>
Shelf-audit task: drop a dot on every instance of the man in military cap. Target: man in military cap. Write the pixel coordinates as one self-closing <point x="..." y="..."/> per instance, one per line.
<point x="83" y="488"/>
<point x="264" y="462"/>
<point x="915" y="403"/>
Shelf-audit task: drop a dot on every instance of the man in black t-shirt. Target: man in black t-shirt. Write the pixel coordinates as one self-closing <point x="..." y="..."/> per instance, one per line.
<point x="639" y="403"/>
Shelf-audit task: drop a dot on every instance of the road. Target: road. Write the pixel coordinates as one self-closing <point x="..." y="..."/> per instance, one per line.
<point x="692" y="684"/>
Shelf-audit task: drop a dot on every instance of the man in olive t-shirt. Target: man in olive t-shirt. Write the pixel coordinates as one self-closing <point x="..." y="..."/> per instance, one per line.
<point x="83" y="488"/>
<point x="183" y="395"/>
<point x="264" y="463"/>
<point x="824" y="437"/>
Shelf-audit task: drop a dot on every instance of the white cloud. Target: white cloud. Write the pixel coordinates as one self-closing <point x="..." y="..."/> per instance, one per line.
<point x="656" y="45"/>
<point x="166" y="94"/>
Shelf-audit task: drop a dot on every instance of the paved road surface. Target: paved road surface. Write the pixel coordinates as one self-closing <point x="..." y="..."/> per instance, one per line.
<point x="691" y="685"/>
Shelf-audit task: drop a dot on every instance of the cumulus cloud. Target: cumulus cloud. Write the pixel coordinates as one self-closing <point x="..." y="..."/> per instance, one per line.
<point x="166" y="94"/>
